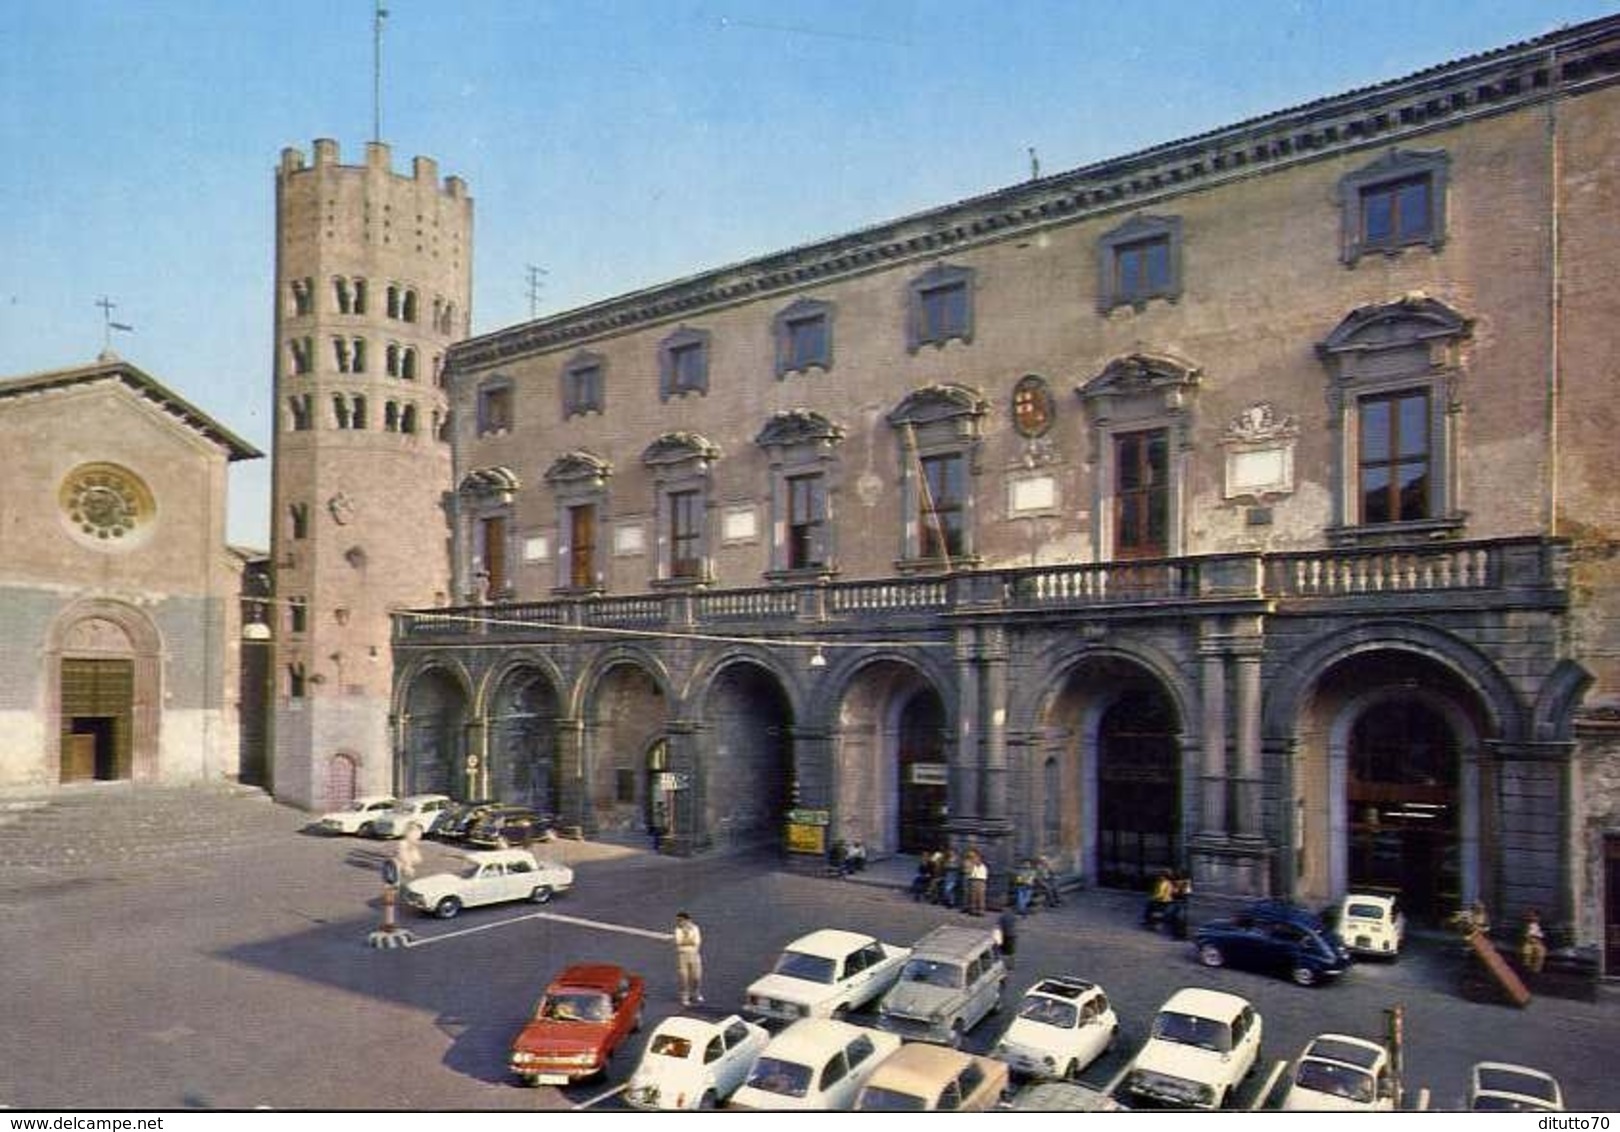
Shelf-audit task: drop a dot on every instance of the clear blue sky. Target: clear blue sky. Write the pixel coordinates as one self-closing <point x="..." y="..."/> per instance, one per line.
<point x="615" y="143"/>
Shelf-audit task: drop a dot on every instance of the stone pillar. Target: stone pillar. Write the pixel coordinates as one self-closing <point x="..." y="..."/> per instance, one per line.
<point x="993" y="792"/>
<point x="688" y="833"/>
<point x="964" y="760"/>
<point x="475" y="759"/>
<point x="573" y="781"/>
<point x="1213" y="740"/>
<point x="1250" y="770"/>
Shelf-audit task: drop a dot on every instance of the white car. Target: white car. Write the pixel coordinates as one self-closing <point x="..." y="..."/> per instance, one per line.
<point x="1496" y="1086"/>
<point x="1340" y="1073"/>
<point x="815" y="1065"/>
<point x="362" y="814"/>
<point x="825" y="974"/>
<point x="420" y="810"/>
<point x="695" y="1063"/>
<point x="1371" y="925"/>
<point x="1202" y="1045"/>
<point x="1062" y="1025"/>
<point x="489" y="878"/>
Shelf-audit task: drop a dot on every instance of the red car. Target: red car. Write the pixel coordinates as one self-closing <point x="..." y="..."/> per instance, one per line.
<point x="585" y="1014"/>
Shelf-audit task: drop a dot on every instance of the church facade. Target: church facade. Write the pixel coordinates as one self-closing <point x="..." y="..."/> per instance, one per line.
<point x="1238" y="505"/>
<point x="117" y="588"/>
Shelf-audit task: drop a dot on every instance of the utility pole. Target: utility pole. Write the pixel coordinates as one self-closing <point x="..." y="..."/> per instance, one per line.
<point x="535" y="287"/>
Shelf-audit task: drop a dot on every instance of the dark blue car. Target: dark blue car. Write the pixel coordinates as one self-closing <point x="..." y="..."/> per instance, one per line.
<point x="1272" y="935"/>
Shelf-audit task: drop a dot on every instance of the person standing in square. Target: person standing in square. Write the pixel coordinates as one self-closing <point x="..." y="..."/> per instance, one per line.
<point x="688" y="959"/>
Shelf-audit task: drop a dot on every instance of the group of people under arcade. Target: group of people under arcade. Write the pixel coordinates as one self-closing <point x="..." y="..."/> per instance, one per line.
<point x="961" y="880"/>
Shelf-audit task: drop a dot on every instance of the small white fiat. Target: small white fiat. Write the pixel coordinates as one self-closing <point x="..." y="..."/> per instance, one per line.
<point x="1371" y="925"/>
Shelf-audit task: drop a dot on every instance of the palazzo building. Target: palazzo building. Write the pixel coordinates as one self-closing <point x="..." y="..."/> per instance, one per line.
<point x="1243" y="504"/>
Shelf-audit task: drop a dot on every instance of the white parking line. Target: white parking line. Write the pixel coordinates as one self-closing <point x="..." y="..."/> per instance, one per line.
<point x="599" y="925"/>
<point x="1118" y="1077"/>
<point x="613" y="1092"/>
<point x="1271" y="1083"/>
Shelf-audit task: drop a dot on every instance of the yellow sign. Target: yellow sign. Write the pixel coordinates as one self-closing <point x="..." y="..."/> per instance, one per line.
<point x="803" y="838"/>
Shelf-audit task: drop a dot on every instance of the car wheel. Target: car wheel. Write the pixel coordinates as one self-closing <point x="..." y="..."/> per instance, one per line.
<point x="1211" y="956"/>
<point x="958" y="1032"/>
<point x="1071" y="1071"/>
<point x="369" y="829"/>
<point x="709" y="1101"/>
<point x="413" y="828"/>
<point x="635" y="1027"/>
<point x="1001" y="989"/>
<point x="448" y="908"/>
<point x="841" y="1012"/>
<point x="1304" y="976"/>
<point x="541" y="895"/>
<point x="1113" y="1037"/>
<point x="1225" y="1099"/>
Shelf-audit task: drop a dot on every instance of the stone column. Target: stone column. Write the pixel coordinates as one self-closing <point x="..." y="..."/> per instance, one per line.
<point x="573" y="781"/>
<point x="964" y="800"/>
<point x="993" y="792"/>
<point x="1250" y="769"/>
<point x="475" y="759"/>
<point x="1213" y="738"/>
<point x="687" y="830"/>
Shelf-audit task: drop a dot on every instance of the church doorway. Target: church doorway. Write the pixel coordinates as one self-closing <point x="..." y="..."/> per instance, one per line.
<point x="98" y="699"/>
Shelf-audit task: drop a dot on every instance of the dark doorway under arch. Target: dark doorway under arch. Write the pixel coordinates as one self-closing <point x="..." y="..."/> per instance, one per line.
<point x="1138" y="788"/>
<point x="924" y="778"/>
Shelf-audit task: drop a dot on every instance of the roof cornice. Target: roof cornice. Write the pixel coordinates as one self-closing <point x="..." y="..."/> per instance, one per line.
<point x="1559" y="64"/>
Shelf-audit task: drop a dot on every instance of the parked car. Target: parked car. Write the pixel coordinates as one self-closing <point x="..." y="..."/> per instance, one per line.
<point x="422" y="811"/>
<point x="816" y="1064"/>
<point x="1340" y="1073"/>
<point x="1062" y="1025"/>
<point x="1061" y="1096"/>
<point x="953" y="979"/>
<point x="1202" y="1045"/>
<point x="491" y="877"/>
<point x="926" y="1078"/>
<point x="359" y="817"/>
<point x="1496" y="1086"/>
<point x="502" y="826"/>
<point x="1272" y="936"/>
<point x="825" y="974"/>
<point x="586" y="1013"/>
<point x="695" y="1063"/>
<point x="1370" y="924"/>
<point x="461" y="817"/>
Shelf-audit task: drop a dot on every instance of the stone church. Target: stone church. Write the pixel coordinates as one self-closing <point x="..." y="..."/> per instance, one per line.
<point x="118" y="592"/>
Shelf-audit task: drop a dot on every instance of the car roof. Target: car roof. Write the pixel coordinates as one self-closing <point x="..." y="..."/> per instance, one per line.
<point x="1369" y="898"/>
<point x="1204" y="1003"/>
<point x="952" y="942"/>
<point x="419" y="799"/>
<point x="499" y="856"/>
<point x="1505" y="1077"/>
<point x="686" y="1026"/>
<point x="833" y="943"/>
<point x="810" y="1039"/>
<point x="1345" y="1049"/>
<point x="368" y="799"/>
<point x="1063" y="986"/>
<point x="605" y="977"/>
<point x="918" y="1067"/>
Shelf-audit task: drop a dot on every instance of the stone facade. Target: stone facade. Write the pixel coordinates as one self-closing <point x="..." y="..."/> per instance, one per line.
<point x="117" y="589"/>
<point x="1237" y="505"/>
<point x="373" y="274"/>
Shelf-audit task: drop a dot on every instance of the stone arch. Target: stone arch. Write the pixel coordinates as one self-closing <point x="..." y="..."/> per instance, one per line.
<point x="745" y="781"/>
<point x="520" y="706"/>
<point x="433" y="713"/>
<point x="119" y="718"/>
<point x="1553" y="713"/>
<point x="627" y="706"/>
<point x="1116" y="721"/>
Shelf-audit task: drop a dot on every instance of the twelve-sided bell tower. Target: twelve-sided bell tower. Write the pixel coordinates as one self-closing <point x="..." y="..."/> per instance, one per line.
<point x="373" y="284"/>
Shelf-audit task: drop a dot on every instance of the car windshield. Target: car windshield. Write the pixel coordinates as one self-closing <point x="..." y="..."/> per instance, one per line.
<point x="668" y="1045"/>
<point x="890" y="1100"/>
<point x="932" y="973"/>
<point x="784" y="1078"/>
<point x="810" y="968"/>
<point x="1512" y="1081"/>
<point x="1191" y="1030"/>
<point x="1335" y="1080"/>
<point x="1050" y="1012"/>
<point x="576" y="1006"/>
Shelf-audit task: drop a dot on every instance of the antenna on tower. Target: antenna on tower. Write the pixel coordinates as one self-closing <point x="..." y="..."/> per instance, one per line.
<point x="535" y="287"/>
<point x="108" y="325"/>
<point x="376" y="71"/>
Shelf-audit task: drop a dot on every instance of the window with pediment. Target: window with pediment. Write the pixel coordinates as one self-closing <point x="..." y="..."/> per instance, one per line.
<point x="681" y="465"/>
<point x="579" y="485"/>
<point x="804" y="338"/>
<point x="582" y="384"/>
<point x="802" y="450"/>
<point x="938" y="430"/>
<point x="485" y="498"/>
<point x="1139" y="261"/>
<point x="1140" y="412"/>
<point x="1395" y="375"/>
<point x="939" y="307"/>
<point x="1397" y="202"/>
<point x="683" y="363"/>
